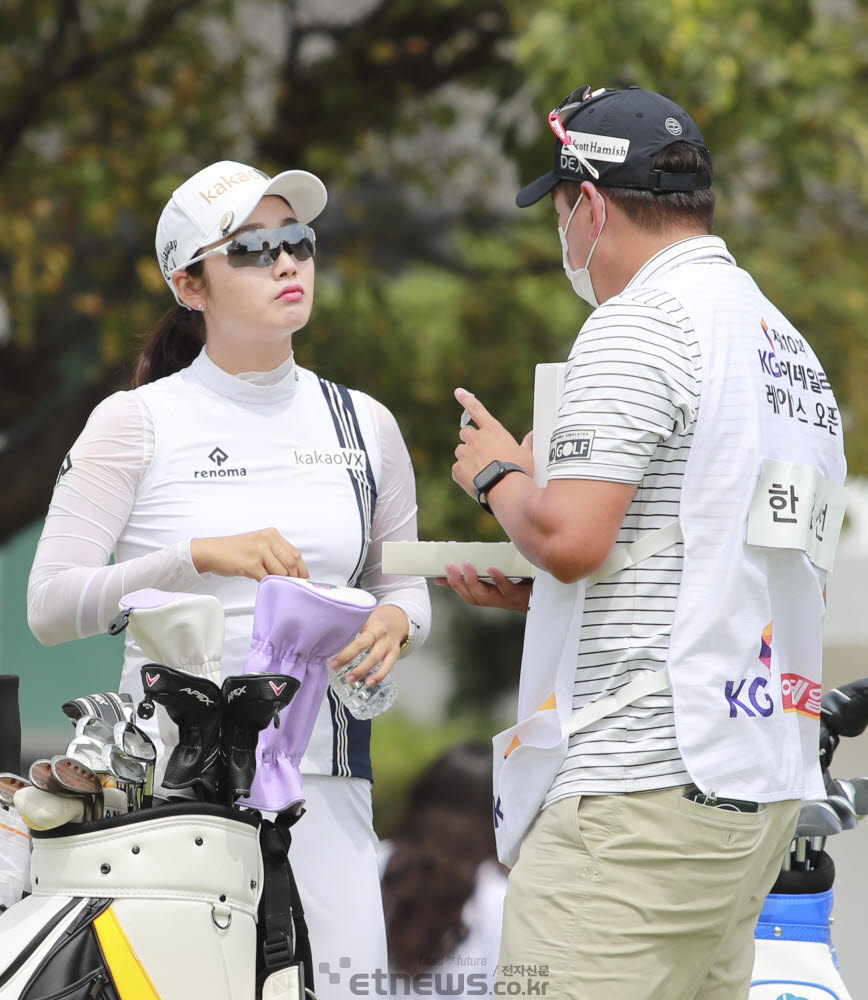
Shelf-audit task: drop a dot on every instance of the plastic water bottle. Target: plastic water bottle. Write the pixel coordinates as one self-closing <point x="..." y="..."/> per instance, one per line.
<point x="363" y="701"/>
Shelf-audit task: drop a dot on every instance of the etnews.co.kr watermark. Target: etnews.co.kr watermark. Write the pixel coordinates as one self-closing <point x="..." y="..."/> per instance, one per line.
<point x="503" y="981"/>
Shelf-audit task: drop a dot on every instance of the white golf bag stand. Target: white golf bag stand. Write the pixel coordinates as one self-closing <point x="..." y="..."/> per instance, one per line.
<point x="795" y="958"/>
<point x="159" y="904"/>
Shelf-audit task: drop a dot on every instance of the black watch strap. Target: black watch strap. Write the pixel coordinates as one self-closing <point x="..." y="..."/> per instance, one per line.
<point x="489" y="477"/>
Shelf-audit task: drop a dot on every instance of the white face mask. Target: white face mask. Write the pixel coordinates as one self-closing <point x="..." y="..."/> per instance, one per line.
<point x="580" y="279"/>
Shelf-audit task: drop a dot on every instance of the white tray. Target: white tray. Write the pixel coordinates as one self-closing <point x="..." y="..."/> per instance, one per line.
<point x="430" y="558"/>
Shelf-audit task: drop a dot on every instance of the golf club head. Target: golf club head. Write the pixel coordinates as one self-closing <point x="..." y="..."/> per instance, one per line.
<point x="818" y="819"/>
<point x="43" y="811"/>
<point x="845" y="709"/>
<point x="75" y="776"/>
<point x="129" y="774"/>
<point x="106" y="705"/>
<point x="859" y="797"/>
<point x="138" y="746"/>
<point x="41" y="777"/>
<point x="123" y="767"/>
<point x="134" y="742"/>
<point x="95" y="727"/>
<point x="844" y="808"/>
<point x="9" y="784"/>
<point x="195" y="705"/>
<point x="88" y="752"/>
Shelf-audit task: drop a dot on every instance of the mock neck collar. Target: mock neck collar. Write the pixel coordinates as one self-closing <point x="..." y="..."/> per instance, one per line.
<point x="240" y="387"/>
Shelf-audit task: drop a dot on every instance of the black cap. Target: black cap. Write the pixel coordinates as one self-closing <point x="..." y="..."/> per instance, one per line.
<point x="617" y="132"/>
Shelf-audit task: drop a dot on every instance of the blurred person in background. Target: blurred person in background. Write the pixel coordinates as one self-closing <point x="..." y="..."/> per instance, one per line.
<point x="228" y="462"/>
<point x="443" y="887"/>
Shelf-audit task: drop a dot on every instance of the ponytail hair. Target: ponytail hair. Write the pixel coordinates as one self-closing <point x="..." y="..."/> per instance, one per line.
<point x="173" y="344"/>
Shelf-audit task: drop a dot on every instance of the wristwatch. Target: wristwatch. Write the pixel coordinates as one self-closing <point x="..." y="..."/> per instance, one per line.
<point x="490" y="476"/>
<point x="411" y="635"/>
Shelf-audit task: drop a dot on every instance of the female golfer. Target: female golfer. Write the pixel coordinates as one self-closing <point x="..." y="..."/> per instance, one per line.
<point x="228" y="462"/>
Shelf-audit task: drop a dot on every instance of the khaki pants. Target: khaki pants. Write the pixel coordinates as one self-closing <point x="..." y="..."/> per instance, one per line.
<point x="640" y="896"/>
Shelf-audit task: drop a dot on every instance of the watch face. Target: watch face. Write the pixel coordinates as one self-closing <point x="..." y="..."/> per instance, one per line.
<point x="489" y="475"/>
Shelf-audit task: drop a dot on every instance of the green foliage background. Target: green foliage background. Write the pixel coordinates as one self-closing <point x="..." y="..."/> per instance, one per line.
<point x="423" y="117"/>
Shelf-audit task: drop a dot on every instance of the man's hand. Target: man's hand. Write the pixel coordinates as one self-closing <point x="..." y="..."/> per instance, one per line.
<point x="487" y="441"/>
<point x="255" y="554"/>
<point x="500" y="593"/>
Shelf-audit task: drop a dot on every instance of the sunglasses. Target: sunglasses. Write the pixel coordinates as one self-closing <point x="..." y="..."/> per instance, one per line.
<point x="556" y="123"/>
<point x="262" y="247"/>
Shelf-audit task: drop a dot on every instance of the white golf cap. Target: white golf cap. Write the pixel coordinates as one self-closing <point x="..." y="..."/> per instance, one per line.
<point x="220" y="198"/>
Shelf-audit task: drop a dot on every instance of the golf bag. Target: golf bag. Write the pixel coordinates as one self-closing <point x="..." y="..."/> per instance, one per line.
<point x="14" y="839"/>
<point x="157" y="905"/>
<point x="795" y="956"/>
<point x="191" y="898"/>
<point x="794" y="951"/>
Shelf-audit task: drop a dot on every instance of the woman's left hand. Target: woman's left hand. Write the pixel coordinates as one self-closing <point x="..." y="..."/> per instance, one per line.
<point x="383" y="632"/>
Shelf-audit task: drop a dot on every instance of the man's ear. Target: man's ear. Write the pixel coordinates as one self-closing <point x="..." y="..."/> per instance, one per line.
<point x="190" y="291"/>
<point x="597" y="206"/>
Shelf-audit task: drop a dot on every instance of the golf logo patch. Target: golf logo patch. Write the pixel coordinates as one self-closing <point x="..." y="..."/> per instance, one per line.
<point x="570" y="444"/>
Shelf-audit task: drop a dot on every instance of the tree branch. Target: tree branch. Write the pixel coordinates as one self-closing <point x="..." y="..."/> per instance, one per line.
<point x="45" y="82"/>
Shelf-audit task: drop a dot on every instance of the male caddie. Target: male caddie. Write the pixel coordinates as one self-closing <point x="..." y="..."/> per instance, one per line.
<point x="670" y="686"/>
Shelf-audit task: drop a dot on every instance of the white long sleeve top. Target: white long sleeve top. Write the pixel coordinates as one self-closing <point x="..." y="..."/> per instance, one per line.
<point x="120" y="493"/>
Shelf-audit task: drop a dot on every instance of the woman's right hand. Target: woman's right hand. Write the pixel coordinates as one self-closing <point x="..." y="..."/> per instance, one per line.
<point x="255" y="554"/>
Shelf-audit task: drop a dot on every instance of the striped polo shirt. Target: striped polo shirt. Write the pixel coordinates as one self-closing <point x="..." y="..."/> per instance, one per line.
<point x="632" y="387"/>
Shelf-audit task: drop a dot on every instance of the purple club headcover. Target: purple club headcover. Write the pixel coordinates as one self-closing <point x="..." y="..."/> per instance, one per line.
<point x="297" y="626"/>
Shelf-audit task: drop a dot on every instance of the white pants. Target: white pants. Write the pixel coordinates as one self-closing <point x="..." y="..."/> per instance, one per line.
<point x="334" y="861"/>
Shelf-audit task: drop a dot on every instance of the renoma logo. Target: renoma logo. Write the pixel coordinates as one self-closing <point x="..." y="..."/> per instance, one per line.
<point x="218" y="456"/>
<point x="524" y="981"/>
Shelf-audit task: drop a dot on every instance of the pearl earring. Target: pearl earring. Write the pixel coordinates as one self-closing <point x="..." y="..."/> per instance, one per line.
<point x="200" y="307"/>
